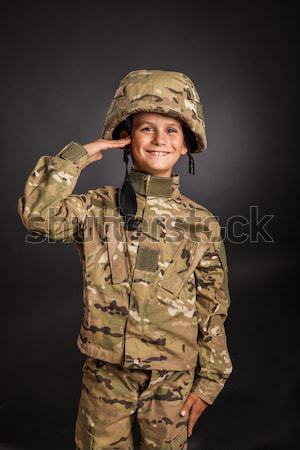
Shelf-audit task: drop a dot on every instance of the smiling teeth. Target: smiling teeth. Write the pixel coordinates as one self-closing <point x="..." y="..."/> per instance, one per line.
<point x="159" y="153"/>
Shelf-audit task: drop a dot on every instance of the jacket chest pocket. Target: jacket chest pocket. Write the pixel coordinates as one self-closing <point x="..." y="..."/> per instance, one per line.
<point x="182" y="264"/>
<point x="105" y="252"/>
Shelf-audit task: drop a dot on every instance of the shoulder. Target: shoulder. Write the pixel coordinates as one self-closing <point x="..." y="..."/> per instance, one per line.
<point x="199" y="210"/>
<point x="200" y="214"/>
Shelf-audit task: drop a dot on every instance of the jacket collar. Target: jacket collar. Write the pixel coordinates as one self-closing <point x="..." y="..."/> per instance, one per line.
<point x="151" y="185"/>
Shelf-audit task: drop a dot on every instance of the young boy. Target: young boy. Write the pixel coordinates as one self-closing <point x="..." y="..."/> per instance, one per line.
<point x="155" y="292"/>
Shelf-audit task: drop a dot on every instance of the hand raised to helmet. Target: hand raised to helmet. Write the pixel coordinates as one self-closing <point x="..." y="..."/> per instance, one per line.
<point x="95" y="148"/>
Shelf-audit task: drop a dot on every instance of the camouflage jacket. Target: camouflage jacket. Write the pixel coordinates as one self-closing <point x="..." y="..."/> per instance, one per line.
<point x="153" y="298"/>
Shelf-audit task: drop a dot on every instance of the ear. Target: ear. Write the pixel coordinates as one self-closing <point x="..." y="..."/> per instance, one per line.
<point x="184" y="148"/>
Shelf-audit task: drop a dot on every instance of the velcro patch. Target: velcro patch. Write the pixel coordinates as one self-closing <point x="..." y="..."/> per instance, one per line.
<point x="147" y="259"/>
<point x="73" y="151"/>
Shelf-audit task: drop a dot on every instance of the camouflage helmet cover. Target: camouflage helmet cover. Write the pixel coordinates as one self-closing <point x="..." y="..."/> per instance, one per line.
<point x="157" y="91"/>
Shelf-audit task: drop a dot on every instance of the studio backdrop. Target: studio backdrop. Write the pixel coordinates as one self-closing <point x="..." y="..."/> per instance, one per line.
<point x="61" y="63"/>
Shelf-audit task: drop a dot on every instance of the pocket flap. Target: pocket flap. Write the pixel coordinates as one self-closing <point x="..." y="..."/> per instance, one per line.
<point x="182" y="265"/>
<point x="118" y="260"/>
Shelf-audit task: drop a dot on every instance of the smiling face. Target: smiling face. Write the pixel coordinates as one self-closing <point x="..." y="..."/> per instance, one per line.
<point x="157" y="142"/>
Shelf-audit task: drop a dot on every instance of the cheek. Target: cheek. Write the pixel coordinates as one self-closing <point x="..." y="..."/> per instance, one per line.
<point x="135" y="149"/>
<point x="179" y="149"/>
<point x="139" y="142"/>
<point x="183" y="148"/>
<point x="177" y="141"/>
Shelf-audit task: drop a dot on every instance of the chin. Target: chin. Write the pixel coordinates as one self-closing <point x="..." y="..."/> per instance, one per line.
<point x="157" y="165"/>
<point x="159" y="169"/>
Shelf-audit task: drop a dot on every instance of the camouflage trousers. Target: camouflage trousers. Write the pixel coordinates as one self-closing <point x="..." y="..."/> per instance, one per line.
<point x="112" y="397"/>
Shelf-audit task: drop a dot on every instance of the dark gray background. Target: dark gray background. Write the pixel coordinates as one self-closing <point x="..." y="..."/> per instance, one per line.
<point x="61" y="64"/>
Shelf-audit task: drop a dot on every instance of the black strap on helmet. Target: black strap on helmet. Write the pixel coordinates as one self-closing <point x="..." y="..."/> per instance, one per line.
<point x="127" y="198"/>
<point x="191" y="144"/>
<point x="191" y="163"/>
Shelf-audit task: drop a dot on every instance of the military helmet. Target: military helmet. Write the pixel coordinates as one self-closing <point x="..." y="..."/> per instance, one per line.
<point x="157" y="91"/>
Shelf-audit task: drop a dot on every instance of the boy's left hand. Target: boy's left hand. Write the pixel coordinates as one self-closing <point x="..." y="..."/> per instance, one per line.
<point x="194" y="407"/>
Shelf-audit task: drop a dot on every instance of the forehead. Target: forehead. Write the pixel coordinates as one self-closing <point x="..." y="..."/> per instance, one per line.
<point x="155" y="118"/>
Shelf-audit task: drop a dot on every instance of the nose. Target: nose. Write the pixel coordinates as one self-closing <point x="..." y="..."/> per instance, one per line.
<point x="158" y="138"/>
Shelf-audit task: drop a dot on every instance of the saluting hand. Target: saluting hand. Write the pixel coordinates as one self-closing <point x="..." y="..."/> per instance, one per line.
<point x="96" y="148"/>
<point x="194" y="407"/>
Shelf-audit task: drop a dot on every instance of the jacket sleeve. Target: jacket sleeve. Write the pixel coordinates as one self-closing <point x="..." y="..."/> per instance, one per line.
<point x="47" y="205"/>
<point x="212" y="303"/>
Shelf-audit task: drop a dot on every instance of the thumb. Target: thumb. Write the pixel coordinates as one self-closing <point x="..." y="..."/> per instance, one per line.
<point x="187" y="406"/>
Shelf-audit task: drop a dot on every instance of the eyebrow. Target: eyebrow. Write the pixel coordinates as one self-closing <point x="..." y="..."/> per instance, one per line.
<point x="151" y="123"/>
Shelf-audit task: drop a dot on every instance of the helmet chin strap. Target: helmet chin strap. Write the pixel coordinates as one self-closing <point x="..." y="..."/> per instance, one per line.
<point x="127" y="198"/>
<point x="125" y="159"/>
<point x="191" y="163"/>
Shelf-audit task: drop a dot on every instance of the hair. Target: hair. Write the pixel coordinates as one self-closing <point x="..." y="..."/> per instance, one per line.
<point x="189" y="137"/>
<point x="126" y="124"/>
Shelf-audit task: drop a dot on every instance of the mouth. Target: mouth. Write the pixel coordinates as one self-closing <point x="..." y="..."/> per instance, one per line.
<point x="156" y="153"/>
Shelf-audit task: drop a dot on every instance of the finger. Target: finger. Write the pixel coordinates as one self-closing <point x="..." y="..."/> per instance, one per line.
<point x="116" y="141"/>
<point x="194" y="416"/>
<point x="201" y="404"/>
<point x="187" y="406"/>
<point x="117" y="145"/>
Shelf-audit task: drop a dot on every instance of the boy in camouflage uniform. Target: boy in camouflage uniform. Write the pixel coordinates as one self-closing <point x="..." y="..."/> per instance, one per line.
<point x="155" y="288"/>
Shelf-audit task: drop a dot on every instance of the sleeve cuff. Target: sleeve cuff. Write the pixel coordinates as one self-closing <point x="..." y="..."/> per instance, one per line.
<point x="76" y="153"/>
<point x="206" y="390"/>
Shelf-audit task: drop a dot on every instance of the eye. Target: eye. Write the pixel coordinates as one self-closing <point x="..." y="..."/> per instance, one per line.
<point x="172" y="129"/>
<point x="147" y="128"/>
